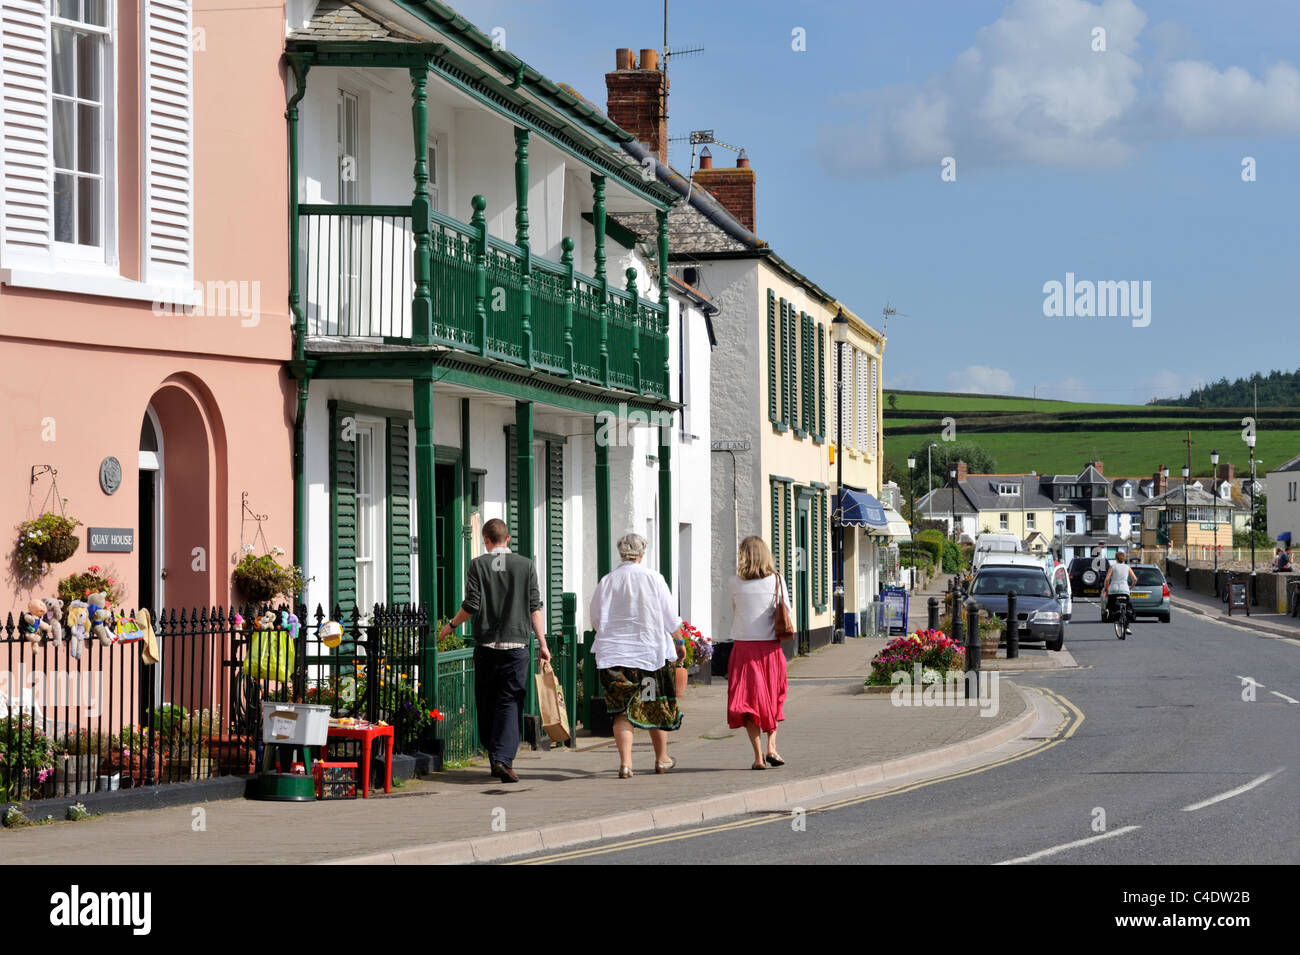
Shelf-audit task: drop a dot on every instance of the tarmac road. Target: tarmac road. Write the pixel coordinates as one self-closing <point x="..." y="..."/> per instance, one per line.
<point x="1163" y="758"/>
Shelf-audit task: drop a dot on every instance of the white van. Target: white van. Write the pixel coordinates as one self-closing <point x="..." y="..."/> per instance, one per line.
<point x="1056" y="574"/>
<point x="986" y="544"/>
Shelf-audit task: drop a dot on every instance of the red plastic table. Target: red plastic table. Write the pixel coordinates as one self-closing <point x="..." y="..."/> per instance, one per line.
<point x="367" y="735"/>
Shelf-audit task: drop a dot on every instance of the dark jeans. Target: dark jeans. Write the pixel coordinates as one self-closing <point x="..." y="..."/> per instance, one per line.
<point x="499" y="677"/>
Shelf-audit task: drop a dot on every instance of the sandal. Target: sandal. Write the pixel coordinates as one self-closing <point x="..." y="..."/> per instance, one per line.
<point x="773" y="759"/>
<point x="759" y="766"/>
<point x="664" y="767"/>
<point x="625" y="772"/>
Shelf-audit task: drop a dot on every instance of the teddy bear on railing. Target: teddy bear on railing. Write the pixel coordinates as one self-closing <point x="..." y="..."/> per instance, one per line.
<point x="32" y="622"/>
<point x="101" y="617"/>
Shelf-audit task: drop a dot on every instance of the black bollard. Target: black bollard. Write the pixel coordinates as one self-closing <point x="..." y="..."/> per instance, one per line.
<point x="956" y="619"/>
<point x="972" y="649"/>
<point x="1013" y="627"/>
<point x="932" y="611"/>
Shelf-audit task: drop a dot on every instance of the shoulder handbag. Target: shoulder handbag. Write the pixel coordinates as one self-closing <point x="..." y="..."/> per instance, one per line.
<point x="784" y="625"/>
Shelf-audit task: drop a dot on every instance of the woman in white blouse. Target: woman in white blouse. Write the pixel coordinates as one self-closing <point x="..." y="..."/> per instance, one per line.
<point x="756" y="680"/>
<point x="638" y="643"/>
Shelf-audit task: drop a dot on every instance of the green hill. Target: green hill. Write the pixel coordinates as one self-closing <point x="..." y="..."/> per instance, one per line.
<point x="1024" y="434"/>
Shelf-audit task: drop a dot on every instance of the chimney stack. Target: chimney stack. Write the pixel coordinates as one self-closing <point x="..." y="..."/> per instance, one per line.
<point x="963" y="471"/>
<point x="706" y="158"/>
<point x="1158" y="479"/>
<point x="637" y="99"/>
<point x="734" y="188"/>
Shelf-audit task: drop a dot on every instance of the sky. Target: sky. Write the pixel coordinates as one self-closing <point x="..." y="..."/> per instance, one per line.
<point x="955" y="158"/>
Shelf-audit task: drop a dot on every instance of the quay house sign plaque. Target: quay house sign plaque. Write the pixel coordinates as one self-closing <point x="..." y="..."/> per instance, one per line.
<point x="114" y="540"/>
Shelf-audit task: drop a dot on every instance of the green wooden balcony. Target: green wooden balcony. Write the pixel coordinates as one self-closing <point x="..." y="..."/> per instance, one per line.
<point x="357" y="279"/>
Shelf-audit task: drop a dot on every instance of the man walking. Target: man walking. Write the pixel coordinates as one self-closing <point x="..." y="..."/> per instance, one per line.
<point x="502" y="596"/>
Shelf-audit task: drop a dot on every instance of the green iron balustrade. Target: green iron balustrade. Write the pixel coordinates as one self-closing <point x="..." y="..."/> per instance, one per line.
<point x="356" y="280"/>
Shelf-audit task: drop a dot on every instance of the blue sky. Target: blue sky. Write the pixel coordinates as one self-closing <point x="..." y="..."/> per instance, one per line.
<point x="1116" y="165"/>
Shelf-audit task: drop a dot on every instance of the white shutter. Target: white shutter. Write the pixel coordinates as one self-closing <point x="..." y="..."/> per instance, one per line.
<point x="168" y="139"/>
<point x="864" y="403"/>
<point x="875" y="405"/>
<point x="28" y="215"/>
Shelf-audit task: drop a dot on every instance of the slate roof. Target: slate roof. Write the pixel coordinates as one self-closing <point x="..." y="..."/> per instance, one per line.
<point x="349" y="21"/>
<point x="1292" y="465"/>
<point x="982" y="489"/>
<point x="942" y="503"/>
<point x="690" y="232"/>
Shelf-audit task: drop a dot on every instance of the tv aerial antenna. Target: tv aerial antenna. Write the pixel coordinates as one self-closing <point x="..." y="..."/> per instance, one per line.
<point x="887" y="311"/>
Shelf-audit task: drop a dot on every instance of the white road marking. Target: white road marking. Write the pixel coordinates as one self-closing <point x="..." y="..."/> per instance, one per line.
<point x="1233" y="792"/>
<point x="1043" y="853"/>
<point x="1284" y="696"/>
<point x="1251" y="680"/>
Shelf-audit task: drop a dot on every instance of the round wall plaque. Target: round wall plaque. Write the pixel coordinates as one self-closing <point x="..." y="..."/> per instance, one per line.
<point x="110" y="474"/>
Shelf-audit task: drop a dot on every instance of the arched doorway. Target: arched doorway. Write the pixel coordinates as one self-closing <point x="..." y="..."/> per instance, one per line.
<point x="182" y="494"/>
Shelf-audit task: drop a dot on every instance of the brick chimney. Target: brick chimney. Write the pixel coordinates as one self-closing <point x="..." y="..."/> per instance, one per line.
<point x="637" y="99"/>
<point x="963" y="470"/>
<point x="734" y="188"/>
<point x="1097" y="464"/>
<point x="1159" y="479"/>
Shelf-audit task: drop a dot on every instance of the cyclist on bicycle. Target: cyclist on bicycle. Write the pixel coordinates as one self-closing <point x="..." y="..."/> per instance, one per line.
<point x="1119" y="580"/>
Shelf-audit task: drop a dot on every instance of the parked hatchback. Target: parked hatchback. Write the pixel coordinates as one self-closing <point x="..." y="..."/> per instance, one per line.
<point x="1037" y="606"/>
<point x="1149" y="596"/>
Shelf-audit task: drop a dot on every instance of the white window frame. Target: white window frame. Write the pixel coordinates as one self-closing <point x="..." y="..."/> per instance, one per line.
<point x="1008" y="490"/>
<point x="372" y="571"/>
<point x="1031" y="521"/>
<point x="101" y="259"/>
<point x="1004" y="522"/>
<point x="342" y="98"/>
<point x="1128" y="492"/>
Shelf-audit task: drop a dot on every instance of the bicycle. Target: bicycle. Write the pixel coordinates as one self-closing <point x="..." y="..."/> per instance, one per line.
<point x="1122" y="615"/>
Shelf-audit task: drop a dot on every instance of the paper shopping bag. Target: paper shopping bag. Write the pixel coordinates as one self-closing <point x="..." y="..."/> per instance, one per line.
<point x="550" y="700"/>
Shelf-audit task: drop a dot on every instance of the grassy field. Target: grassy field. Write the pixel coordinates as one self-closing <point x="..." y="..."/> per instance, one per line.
<point x="1125" y="452"/>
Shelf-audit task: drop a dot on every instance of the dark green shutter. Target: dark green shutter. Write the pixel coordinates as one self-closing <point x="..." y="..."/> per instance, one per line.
<point x="821" y="537"/>
<point x="771" y="357"/>
<point x="554" y="534"/>
<point x="814" y="569"/>
<point x="343" y="513"/>
<point x="787" y="519"/>
<point x="821" y="382"/>
<point x="809" y="363"/>
<point x="512" y="483"/>
<point x="776" y="523"/>
<point x="785" y="363"/>
<point x="399" y="511"/>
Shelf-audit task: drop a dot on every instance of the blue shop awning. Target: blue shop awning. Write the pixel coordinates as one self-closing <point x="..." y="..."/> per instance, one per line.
<point x="860" y="509"/>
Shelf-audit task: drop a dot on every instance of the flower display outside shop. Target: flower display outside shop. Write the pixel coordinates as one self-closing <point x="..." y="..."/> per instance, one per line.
<point x="26" y="757"/>
<point x="933" y="650"/>
<point x="699" y="648"/>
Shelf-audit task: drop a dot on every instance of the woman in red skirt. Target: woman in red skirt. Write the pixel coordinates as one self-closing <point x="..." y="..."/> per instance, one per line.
<point x="756" y="672"/>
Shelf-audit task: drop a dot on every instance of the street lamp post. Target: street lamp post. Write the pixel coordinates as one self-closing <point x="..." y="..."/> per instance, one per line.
<point x="1214" y="460"/>
<point x="1187" y="548"/>
<point x="1250" y="524"/>
<point x="911" y="492"/>
<point x="952" y="477"/>
<point x="929" y="482"/>
<point x="839" y="335"/>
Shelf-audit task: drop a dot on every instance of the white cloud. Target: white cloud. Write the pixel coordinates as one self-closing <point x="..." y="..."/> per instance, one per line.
<point x="1207" y="100"/>
<point x="982" y="380"/>
<point x="1031" y="88"/>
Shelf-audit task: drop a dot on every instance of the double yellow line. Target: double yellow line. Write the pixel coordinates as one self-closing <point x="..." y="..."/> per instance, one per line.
<point x="1072" y="720"/>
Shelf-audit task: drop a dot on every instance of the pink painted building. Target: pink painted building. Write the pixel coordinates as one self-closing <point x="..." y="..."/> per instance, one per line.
<point x="144" y="287"/>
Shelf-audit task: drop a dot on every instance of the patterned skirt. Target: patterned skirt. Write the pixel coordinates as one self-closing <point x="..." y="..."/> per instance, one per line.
<point x="648" y="698"/>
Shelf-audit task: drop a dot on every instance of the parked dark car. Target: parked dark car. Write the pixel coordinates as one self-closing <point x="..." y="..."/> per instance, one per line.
<point x="1150" y="595"/>
<point x="1087" y="574"/>
<point x="1037" y="607"/>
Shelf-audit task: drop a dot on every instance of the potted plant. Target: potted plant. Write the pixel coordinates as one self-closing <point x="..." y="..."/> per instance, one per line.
<point x="94" y="580"/>
<point x="261" y="579"/>
<point x="26" y="757"/>
<point x="75" y="766"/>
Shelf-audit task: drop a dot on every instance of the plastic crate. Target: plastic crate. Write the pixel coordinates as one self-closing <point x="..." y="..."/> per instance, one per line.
<point x="336" y="780"/>
<point x="302" y="724"/>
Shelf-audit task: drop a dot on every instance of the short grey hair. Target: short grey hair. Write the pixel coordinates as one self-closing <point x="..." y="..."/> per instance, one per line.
<point x="631" y="546"/>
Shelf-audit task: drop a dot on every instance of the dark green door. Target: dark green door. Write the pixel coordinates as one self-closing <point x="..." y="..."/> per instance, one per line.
<point x="800" y="595"/>
<point x="447" y="528"/>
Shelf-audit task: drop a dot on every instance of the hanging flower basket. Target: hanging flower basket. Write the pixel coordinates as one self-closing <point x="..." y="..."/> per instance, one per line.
<point x="261" y="579"/>
<point x="51" y="538"/>
<point x="58" y="549"/>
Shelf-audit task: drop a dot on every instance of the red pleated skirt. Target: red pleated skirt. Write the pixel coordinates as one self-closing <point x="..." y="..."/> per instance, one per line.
<point x="756" y="684"/>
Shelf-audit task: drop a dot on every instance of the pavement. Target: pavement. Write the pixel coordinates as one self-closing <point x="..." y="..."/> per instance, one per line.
<point x="1276" y="624"/>
<point x="836" y="738"/>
